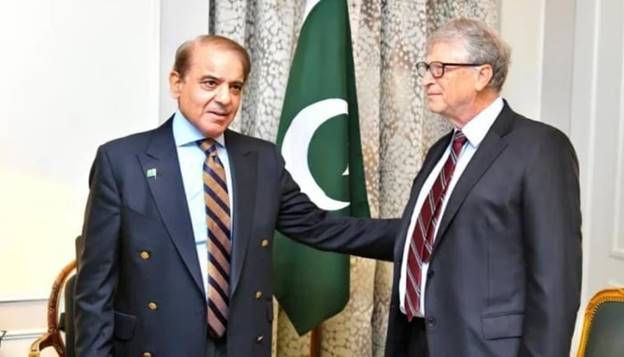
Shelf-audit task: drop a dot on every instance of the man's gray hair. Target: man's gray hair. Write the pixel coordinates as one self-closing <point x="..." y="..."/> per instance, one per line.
<point x="482" y="43"/>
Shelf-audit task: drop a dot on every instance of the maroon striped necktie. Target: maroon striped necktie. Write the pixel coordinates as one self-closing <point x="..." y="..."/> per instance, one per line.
<point x="422" y="238"/>
<point x="219" y="244"/>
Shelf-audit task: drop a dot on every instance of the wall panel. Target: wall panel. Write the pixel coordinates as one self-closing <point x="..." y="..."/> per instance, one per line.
<point x="75" y="74"/>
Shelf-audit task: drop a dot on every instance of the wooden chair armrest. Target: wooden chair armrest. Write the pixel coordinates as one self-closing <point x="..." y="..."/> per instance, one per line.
<point x="53" y="336"/>
<point x="42" y="342"/>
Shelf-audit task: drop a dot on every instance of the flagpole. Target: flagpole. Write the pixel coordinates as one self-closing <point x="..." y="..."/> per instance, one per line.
<point x="315" y="342"/>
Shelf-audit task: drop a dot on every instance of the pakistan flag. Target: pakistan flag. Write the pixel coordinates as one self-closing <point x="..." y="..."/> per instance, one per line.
<point x="319" y="137"/>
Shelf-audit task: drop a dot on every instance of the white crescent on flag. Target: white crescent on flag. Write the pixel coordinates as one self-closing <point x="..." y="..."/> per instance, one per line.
<point x="296" y="144"/>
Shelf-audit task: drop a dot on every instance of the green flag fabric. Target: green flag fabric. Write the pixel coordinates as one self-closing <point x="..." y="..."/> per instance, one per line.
<point x="319" y="137"/>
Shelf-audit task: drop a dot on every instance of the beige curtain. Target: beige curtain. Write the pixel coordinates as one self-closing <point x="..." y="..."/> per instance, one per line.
<point x="388" y="40"/>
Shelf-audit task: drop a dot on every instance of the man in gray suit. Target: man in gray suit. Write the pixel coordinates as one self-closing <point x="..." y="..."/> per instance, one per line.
<point x="488" y="260"/>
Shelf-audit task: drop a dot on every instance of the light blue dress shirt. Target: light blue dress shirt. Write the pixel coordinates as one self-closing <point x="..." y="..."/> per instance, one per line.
<point x="191" y="158"/>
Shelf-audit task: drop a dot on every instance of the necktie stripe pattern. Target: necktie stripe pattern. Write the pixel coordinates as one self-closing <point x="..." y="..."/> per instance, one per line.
<point x="219" y="244"/>
<point x="421" y="243"/>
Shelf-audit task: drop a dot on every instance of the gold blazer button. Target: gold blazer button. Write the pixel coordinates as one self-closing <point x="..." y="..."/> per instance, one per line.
<point x="264" y="243"/>
<point x="145" y="255"/>
<point x="152" y="306"/>
<point x="258" y="295"/>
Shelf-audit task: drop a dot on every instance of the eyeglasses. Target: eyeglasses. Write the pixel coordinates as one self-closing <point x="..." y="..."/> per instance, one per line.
<point x="437" y="68"/>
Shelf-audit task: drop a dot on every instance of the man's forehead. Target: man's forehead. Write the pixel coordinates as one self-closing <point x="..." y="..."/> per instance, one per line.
<point x="206" y="47"/>
<point x="214" y="60"/>
<point x="452" y="48"/>
<point x="203" y="51"/>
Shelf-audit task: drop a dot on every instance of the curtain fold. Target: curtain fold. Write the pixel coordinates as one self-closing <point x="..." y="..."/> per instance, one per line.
<point x="396" y="130"/>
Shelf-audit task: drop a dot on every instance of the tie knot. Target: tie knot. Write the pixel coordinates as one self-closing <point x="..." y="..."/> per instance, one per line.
<point x="459" y="139"/>
<point x="208" y="146"/>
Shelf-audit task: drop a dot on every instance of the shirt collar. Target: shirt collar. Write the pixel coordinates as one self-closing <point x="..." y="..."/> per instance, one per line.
<point x="476" y="128"/>
<point x="185" y="133"/>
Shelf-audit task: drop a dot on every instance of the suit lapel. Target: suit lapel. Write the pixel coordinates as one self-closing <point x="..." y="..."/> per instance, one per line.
<point x="243" y="167"/>
<point x="487" y="152"/>
<point x="167" y="189"/>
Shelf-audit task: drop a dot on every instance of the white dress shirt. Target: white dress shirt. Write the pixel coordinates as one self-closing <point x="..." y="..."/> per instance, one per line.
<point x="474" y="131"/>
<point x="191" y="158"/>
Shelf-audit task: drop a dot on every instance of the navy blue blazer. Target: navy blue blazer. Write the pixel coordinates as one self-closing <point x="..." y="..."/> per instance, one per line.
<point x="139" y="287"/>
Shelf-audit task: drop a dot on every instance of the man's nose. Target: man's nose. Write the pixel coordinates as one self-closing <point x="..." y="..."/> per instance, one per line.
<point x="427" y="78"/>
<point x="223" y="94"/>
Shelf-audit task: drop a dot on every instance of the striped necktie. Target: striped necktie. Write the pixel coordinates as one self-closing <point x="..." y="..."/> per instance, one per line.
<point x="421" y="243"/>
<point x="219" y="244"/>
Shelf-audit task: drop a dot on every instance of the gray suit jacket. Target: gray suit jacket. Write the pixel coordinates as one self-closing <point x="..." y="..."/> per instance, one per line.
<point x="139" y="286"/>
<point x="505" y="272"/>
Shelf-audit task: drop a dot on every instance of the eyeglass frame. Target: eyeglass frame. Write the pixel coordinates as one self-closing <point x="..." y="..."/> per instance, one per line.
<point x="443" y="65"/>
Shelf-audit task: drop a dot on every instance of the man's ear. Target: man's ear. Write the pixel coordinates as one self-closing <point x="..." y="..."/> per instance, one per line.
<point x="484" y="76"/>
<point x="175" y="84"/>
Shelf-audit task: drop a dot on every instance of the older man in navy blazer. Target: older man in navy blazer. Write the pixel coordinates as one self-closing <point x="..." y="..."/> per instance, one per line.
<point x="488" y="261"/>
<point x="146" y="285"/>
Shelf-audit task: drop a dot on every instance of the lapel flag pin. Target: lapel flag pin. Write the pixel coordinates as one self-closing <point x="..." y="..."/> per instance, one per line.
<point x="151" y="173"/>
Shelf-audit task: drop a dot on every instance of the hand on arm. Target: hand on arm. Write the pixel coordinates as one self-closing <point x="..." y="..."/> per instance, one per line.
<point x="301" y="219"/>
